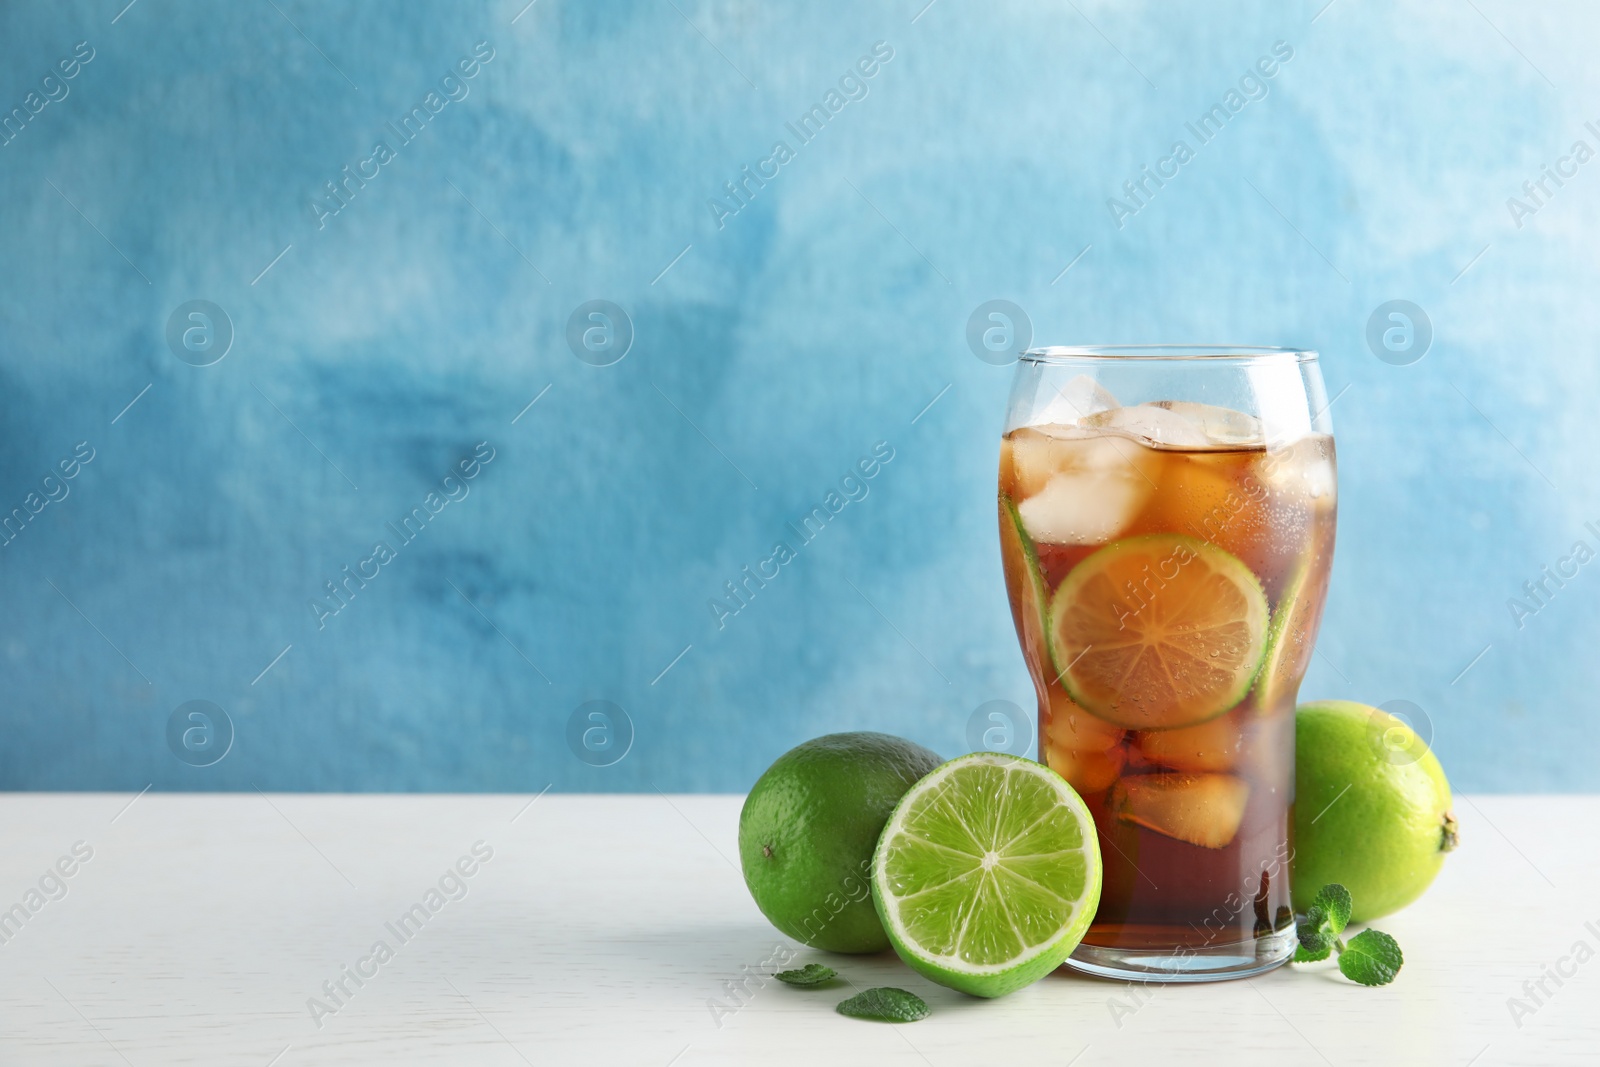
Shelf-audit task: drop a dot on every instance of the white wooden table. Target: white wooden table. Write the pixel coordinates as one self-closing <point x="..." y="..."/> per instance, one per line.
<point x="603" y="929"/>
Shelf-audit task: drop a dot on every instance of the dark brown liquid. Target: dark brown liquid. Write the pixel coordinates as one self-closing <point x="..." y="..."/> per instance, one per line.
<point x="1274" y="511"/>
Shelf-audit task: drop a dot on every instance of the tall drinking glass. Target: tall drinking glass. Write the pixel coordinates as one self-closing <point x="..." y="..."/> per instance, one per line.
<point x="1167" y="525"/>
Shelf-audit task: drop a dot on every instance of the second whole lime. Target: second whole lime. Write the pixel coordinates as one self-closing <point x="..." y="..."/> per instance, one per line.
<point x="809" y="828"/>
<point x="1372" y="808"/>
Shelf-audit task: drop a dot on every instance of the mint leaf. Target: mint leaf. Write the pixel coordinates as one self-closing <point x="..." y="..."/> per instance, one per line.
<point x="1316" y="933"/>
<point x="1372" y="957"/>
<point x="885" y="1005"/>
<point x="1333" y="900"/>
<point x="812" y="974"/>
<point x="1305" y="955"/>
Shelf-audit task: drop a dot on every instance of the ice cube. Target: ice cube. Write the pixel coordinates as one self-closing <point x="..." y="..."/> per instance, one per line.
<point x="1087" y="772"/>
<point x="1071" y="728"/>
<point x="1211" y="746"/>
<point x="1202" y="809"/>
<point x="1079" y="491"/>
<point x="1039" y="452"/>
<point x="1303" y="468"/>
<point x="1158" y="425"/>
<point x="1210" y="495"/>
<point x="1075" y="401"/>
<point x="1222" y="426"/>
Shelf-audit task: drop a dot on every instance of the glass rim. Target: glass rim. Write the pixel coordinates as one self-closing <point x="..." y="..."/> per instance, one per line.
<point x="1113" y="353"/>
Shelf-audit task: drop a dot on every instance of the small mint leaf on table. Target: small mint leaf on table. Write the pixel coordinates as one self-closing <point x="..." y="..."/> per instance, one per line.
<point x="1372" y="957"/>
<point x="1333" y="900"/>
<point x="885" y="1005"/>
<point x="807" y="977"/>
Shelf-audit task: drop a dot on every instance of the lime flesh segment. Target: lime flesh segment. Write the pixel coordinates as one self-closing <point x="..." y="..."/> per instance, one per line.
<point x="1158" y="631"/>
<point x="987" y="874"/>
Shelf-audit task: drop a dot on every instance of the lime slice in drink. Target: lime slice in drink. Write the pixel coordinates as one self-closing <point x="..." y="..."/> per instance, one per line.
<point x="987" y="874"/>
<point x="1291" y="638"/>
<point x="1021" y="562"/>
<point x="1158" y="632"/>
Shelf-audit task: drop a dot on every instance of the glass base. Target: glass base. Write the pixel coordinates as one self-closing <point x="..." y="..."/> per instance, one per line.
<point x="1212" y="963"/>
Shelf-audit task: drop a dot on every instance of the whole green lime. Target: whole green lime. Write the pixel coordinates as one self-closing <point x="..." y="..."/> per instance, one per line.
<point x="808" y="830"/>
<point x="1371" y="810"/>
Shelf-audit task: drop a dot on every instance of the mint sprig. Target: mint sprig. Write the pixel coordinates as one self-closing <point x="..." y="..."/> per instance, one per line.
<point x="807" y="977"/>
<point x="885" y="1005"/>
<point x="1371" y="958"/>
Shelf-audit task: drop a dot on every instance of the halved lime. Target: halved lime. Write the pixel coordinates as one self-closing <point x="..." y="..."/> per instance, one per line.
<point x="987" y="874"/>
<point x="1158" y="631"/>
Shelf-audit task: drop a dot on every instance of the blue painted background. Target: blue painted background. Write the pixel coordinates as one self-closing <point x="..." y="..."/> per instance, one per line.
<point x="774" y="346"/>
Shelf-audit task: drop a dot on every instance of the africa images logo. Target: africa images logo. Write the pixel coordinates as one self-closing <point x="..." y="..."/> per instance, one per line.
<point x="453" y="88"/>
<point x="1140" y="191"/>
<point x="852" y="87"/>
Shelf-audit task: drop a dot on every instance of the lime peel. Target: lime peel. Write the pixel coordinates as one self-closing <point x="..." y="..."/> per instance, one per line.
<point x="1016" y="541"/>
<point x="1290" y="637"/>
